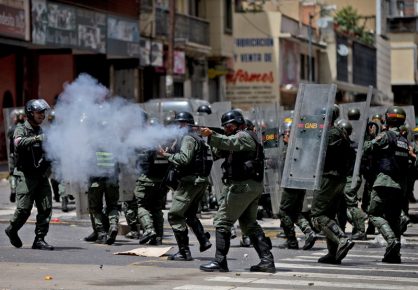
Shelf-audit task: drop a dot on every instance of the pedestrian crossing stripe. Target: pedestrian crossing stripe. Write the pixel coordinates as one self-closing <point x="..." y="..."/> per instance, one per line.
<point x="333" y="284"/>
<point x="361" y="256"/>
<point x="393" y="279"/>
<point x="205" y="287"/>
<point x="377" y="267"/>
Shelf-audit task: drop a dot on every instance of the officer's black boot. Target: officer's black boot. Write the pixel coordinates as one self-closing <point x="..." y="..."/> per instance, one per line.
<point x="40" y="244"/>
<point x="333" y="232"/>
<point x="289" y="231"/>
<point x="262" y="245"/>
<point x="13" y="236"/>
<point x="330" y="258"/>
<point x="183" y="243"/>
<point x="158" y="240"/>
<point x="113" y="232"/>
<point x="310" y="239"/>
<point x="245" y="241"/>
<point x="202" y="237"/>
<point x="392" y="254"/>
<point x="223" y="242"/>
<point x="92" y="237"/>
<point x="64" y="204"/>
<point x="149" y="231"/>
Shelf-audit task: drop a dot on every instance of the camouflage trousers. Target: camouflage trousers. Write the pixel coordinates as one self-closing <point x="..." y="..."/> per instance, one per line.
<point x="185" y="203"/>
<point x="99" y="188"/>
<point x="150" y="198"/>
<point x="290" y="212"/>
<point x="240" y="203"/>
<point x="30" y="189"/>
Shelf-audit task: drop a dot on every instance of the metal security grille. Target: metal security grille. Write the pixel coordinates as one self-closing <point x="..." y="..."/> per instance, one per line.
<point x="364" y="65"/>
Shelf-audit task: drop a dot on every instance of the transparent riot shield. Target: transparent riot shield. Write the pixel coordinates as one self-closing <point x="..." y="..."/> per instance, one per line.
<point x="308" y="137"/>
<point x="10" y="120"/>
<point x="359" y="129"/>
<point x="270" y="115"/>
<point x="127" y="178"/>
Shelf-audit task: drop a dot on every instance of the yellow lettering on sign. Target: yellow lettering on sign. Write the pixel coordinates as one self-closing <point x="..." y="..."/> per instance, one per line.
<point x="269" y="137"/>
<point x="311" y="125"/>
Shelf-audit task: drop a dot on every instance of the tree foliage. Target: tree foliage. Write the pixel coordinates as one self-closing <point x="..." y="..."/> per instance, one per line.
<point x="347" y="22"/>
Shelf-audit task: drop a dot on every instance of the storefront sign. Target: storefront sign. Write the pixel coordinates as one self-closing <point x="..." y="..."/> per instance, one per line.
<point x="67" y="26"/>
<point x="179" y="63"/>
<point x="151" y="53"/>
<point x="91" y="30"/>
<point x="14" y="18"/>
<point x="122" y="36"/>
<point x="54" y="24"/>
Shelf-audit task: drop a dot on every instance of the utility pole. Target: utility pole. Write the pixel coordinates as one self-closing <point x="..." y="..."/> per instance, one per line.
<point x="310" y="48"/>
<point x="170" y="52"/>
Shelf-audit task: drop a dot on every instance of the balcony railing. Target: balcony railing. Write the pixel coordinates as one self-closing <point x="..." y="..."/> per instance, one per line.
<point x="403" y="24"/>
<point x="188" y="28"/>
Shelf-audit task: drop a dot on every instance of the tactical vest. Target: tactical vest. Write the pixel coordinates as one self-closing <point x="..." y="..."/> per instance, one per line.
<point x="202" y="161"/>
<point x="32" y="159"/>
<point x="245" y="165"/>
<point x="337" y="157"/>
<point x="106" y="165"/>
<point x="152" y="165"/>
<point x="394" y="160"/>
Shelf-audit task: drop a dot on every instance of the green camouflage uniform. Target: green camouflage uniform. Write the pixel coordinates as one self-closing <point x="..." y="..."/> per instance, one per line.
<point x="240" y="198"/>
<point x="243" y="174"/>
<point x="327" y="198"/>
<point x="104" y="185"/>
<point x="187" y="196"/>
<point x="388" y="192"/>
<point x="150" y="193"/>
<point x="32" y="183"/>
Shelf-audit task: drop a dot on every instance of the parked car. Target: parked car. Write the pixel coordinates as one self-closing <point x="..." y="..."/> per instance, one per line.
<point x="173" y="105"/>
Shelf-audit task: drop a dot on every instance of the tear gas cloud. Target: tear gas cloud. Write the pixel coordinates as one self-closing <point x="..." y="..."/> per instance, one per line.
<point x="87" y="120"/>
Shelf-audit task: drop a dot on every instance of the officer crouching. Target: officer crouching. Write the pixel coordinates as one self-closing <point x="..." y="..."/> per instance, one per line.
<point x="31" y="174"/>
<point x="243" y="175"/>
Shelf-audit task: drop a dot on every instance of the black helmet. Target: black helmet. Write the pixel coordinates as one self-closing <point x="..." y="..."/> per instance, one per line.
<point x="37" y="105"/>
<point x="353" y="114"/>
<point x="204" y="109"/>
<point x="377" y="117"/>
<point x="232" y="116"/>
<point x="335" y="112"/>
<point x="346" y="125"/>
<point x="249" y="124"/>
<point x="184" y="117"/>
<point x="395" y="116"/>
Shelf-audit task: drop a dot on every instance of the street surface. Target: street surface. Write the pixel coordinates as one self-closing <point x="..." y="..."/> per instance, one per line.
<point x="76" y="264"/>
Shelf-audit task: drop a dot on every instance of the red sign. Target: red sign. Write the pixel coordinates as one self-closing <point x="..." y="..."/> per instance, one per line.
<point x="244" y="76"/>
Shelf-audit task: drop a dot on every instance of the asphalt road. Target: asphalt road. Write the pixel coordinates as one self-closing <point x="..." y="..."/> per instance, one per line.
<point x="76" y="264"/>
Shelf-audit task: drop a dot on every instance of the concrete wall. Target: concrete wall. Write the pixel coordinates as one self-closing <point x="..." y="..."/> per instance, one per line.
<point x="221" y="42"/>
<point x="54" y="71"/>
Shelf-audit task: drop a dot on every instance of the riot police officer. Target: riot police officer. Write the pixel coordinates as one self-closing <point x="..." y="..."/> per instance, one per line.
<point x="390" y="151"/>
<point x="327" y="198"/>
<point x="243" y="176"/>
<point x="31" y="173"/>
<point x="192" y="165"/>
<point x="150" y="194"/>
<point x="349" y="205"/>
<point x="291" y="205"/>
<point x="205" y="109"/>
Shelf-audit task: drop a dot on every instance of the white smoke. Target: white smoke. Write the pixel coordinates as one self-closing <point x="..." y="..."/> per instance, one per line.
<point x="88" y="119"/>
